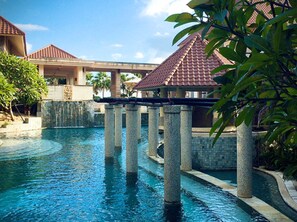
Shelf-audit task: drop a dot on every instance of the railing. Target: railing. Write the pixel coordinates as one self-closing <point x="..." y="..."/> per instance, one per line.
<point x="69" y="93"/>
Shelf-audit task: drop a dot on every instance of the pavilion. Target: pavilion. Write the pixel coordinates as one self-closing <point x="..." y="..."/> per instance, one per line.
<point x="186" y="71"/>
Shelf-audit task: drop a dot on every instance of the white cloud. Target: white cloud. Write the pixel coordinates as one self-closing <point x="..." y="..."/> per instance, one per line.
<point x="83" y="57"/>
<point x="159" y="34"/>
<point x="117" y="56"/>
<point x="31" y="27"/>
<point x="156" y="60"/>
<point x="157" y="7"/>
<point x="156" y="56"/>
<point x="117" y="45"/>
<point x="139" y="55"/>
<point x="29" y="47"/>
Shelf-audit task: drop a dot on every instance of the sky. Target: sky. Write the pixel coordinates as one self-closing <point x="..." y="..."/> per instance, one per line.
<point x="103" y="30"/>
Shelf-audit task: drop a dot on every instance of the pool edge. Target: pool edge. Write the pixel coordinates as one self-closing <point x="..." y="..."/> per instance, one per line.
<point x="281" y="187"/>
<point x="258" y="205"/>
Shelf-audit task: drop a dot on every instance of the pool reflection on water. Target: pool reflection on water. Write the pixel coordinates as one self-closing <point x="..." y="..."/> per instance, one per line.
<point x="74" y="183"/>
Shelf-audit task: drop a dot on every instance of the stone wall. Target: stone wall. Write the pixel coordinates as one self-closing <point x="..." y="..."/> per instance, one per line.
<point x="221" y="156"/>
<point x="67" y="113"/>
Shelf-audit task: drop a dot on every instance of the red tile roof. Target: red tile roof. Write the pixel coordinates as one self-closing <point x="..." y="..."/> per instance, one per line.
<point x="262" y="7"/>
<point x="188" y="67"/>
<point x="7" y="28"/>
<point x="51" y="51"/>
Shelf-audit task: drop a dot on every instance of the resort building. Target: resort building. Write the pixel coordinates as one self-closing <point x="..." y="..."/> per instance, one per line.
<point x="12" y="39"/>
<point x="66" y="74"/>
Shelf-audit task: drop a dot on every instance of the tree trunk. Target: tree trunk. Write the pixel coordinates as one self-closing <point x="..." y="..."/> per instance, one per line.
<point x="10" y="112"/>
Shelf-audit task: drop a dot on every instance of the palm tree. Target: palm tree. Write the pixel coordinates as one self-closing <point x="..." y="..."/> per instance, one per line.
<point x="101" y="81"/>
<point x="126" y="91"/>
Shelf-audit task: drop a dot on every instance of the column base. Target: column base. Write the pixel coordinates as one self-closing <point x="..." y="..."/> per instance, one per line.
<point x="172" y="211"/>
<point x="118" y="147"/>
<point x="109" y="159"/>
<point x="244" y="196"/>
<point x="131" y="178"/>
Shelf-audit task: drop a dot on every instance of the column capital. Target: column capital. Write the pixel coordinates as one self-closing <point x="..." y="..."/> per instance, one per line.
<point x="131" y="107"/>
<point x="153" y="107"/>
<point x="118" y="106"/>
<point x="171" y="109"/>
<point x="108" y="106"/>
<point x="186" y="108"/>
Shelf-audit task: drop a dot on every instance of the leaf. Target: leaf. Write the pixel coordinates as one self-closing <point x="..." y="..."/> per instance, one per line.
<point x="241" y="49"/>
<point x="258" y="58"/>
<point x="230" y="54"/>
<point x="194" y="3"/>
<point x="241" y="116"/>
<point x="221" y="15"/>
<point x="212" y="45"/>
<point x="267" y="94"/>
<point x="205" y="30"/>
<point x="277" y="37"/>
<point x="282" y="17"/>
<point x="223" y="126"/>
<point x="293" y="3"/>
<point x="172" y="18"/>
<point x="217" y="33"/>
<point x="189" y="30"/>
<point x="221" y="80"/>
<point x="256" y="41"/>
<point x="249" y="117"/>
<point x="215" y="126"/>
<point x="222" y="67"/>
<point x="180" y="35"/>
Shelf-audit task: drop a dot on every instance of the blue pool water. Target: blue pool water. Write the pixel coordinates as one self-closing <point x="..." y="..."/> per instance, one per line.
<point x="62" y="176"/>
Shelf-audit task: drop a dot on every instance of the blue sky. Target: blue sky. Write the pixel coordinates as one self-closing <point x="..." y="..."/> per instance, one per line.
<point x="104" y="30"/>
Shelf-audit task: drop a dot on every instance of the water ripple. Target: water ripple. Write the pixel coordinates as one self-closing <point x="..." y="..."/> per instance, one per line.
<point x="13" y="149"/>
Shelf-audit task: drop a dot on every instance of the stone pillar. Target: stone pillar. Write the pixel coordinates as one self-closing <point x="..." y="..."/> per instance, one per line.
<point x="244" y="160"/>
<point x="41" y="70"/>
<point x="109" y="132"/>
<point x="139" y="123"/>
<point x="118" y="125"/>
<point x="163" y="94"/>
<point x="186" y="137"/>
<point x="153" y="130"/>
<point x="115" y="84"/>
<point x="172" y="155"/>
<point x="180" y="93"/>
<point x="80" y="76"/>
<point x="131" y="140"/>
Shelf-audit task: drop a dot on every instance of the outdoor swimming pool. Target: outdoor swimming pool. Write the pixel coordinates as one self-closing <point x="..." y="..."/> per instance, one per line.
<point x="68" y="180"/>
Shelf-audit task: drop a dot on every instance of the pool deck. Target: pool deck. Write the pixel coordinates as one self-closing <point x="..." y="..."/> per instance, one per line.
<point x="258" y="205"/>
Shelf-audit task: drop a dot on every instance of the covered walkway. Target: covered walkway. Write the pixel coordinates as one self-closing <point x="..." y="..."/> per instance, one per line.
<point x="55" y="62"/>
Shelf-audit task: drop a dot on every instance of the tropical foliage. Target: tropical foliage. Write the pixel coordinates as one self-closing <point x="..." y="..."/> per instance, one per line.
<point x="127" y="91"/>
<point x="262" y="76"/>
<point x="7" y="94"/>
<point x="100" y="81"/>
<point x="21" y="80"/>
